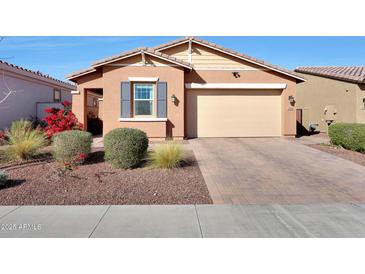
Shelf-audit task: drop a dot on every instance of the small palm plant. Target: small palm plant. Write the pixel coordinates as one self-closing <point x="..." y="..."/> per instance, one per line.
<point x="169" y="155"/>
<point x="24" y="141"/>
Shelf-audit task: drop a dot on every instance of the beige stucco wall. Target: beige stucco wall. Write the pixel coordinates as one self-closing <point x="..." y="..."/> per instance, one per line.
<point x="360" y="108"/>
<point x="318" y="92"/>
<point x="174" y="76"/>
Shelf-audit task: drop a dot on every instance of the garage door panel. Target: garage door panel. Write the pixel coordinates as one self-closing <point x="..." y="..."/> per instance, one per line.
<point x="237" y="113"/>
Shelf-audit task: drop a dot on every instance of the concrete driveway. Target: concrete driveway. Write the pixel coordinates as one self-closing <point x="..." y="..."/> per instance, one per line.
<point x="276" y="171"/>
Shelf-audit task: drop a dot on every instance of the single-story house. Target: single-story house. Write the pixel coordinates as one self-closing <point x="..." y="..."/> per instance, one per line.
<point x="24" y="93"/>
<point x="330" y="94"/>
<point x="190" y="88"/>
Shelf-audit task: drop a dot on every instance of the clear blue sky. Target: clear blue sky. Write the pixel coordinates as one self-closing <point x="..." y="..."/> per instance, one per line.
<point x="58" y="56"/>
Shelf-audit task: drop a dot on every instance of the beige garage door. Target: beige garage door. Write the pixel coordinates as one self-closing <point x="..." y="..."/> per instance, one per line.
<point x="233" y="113"/>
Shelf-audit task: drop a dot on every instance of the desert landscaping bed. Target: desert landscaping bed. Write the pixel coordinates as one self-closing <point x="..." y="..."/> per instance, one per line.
<point x="353" y="156"/>
<point x="42" y="182"/>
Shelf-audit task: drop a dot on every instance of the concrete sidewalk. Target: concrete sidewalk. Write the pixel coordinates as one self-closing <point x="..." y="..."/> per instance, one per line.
<point x="315" y="220"/>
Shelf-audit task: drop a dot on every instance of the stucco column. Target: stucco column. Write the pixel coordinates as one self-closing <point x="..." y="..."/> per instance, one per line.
<point x="79" y="106"/>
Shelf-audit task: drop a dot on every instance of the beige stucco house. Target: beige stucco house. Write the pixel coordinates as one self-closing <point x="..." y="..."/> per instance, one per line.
<point x="190" y="88"/>
<point x="330" y="94"/>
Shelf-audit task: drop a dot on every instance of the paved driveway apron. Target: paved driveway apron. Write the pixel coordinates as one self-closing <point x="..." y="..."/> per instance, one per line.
<point x="276" y="170"/>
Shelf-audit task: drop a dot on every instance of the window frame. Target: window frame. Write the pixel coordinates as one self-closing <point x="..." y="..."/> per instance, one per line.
<point x="54" y="96"/>
<point x="134" y="84"/>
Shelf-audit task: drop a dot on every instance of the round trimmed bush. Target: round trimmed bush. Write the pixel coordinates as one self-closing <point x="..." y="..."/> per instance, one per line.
<point x="125" y="147"/>
<point x="348" y="135"/>
<point x="72" y="146"/>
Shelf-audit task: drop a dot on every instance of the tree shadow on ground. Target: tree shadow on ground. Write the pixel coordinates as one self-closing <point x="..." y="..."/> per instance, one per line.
<point x="12" y="183"/>
<point x="95" y="157"/>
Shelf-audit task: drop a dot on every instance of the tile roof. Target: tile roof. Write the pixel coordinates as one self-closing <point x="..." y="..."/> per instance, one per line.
<point x="137" y="50"/>
<point x="157" y="51"/>
<point x="125" y="54"/>
<point x="38" y="73"/>
<point x="355" y="74"/>
<point x="238" y="54"/>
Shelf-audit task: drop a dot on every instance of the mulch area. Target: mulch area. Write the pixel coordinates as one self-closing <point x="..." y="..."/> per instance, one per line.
<point x="42" y="182"/>
<point x="353" y="156"/>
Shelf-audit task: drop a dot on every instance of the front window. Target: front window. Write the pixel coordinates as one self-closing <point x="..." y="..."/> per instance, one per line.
<point x="143" y="99"/>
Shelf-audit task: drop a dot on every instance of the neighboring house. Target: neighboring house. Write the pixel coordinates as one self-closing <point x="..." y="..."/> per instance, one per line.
<point x="190" y="88"/>
<point x="31" y="93"/>
<point x="330" y="94"/>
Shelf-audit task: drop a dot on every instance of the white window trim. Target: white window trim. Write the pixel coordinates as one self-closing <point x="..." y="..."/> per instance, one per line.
<point x="151" y="100"/>
<point x="143" y="79"/>
<point x="235" y="86"/>
<point x="75" y="92"/>
<point x="146" y="119"/>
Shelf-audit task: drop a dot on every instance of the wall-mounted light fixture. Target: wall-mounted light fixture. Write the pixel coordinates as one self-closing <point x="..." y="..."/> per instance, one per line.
<point x="173" y="98"/>
<point x="236" y="74"/>
<point x="291" y="99"/>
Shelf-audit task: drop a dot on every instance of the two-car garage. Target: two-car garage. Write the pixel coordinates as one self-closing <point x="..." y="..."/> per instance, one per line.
<point x="233" y="112"/>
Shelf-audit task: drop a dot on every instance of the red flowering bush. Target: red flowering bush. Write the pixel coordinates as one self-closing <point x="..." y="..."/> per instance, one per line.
<point x="2" y="137"/>
<point x="60" y="120"/>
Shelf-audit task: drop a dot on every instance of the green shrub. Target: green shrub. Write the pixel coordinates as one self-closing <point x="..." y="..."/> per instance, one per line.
<point x="24" y="141"/>
<point x="71" y="147"/>
<point x="125" y="147"/>
<point x="3" y="177"/>
<point x="168" y="155"/>
<point x="348" y="135"/>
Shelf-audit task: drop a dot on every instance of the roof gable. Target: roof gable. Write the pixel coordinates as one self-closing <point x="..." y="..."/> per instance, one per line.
<point x="158" y="53"/>
<point x="128" y="54"/>
<point x="229" y="52"/>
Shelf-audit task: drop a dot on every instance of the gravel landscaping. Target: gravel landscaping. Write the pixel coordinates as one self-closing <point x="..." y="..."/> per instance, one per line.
<point x="353" y="156"/>
<point x="42" y="182"/>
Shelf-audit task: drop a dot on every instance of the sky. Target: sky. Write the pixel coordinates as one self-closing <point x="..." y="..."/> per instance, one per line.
<point x="59" y="56"/>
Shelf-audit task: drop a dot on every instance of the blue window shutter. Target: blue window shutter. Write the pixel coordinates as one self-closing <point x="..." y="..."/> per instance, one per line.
<point x="126" y="100"/>
<point x="161" y="99"/>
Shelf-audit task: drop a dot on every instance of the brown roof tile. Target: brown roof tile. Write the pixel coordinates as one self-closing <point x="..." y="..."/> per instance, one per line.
<point x="38" y="73"/>
<point x="355" y="74"/>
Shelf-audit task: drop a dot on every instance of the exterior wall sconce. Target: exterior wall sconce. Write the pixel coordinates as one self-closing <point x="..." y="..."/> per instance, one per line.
<point x="291" y="99"/>
<point x="236" y="74"/>
<point x="173" y="98"/>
